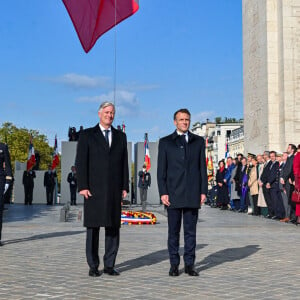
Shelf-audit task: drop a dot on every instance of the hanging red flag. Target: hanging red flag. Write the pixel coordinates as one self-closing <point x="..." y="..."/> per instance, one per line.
<point x="92" y="18"/>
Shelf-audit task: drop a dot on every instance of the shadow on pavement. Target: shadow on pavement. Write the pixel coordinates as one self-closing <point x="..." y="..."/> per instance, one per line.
<point x="226" y="255"/>
<point x="20" y="212"/>
<point x="43" y="236"/>
<point x="149" y="259"/>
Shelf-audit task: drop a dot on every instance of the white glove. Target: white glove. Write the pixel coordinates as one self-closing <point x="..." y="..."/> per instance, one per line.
<point x="6" y="188"/>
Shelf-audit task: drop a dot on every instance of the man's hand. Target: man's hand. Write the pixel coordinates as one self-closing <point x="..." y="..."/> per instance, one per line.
<point x="282" y="181"/>
<point x="85" y="193"/>
<point x="202" y="199"/>
<point x="165" y="200"/>
<point x="124" y="194"/>
<point x="268" y="186"/>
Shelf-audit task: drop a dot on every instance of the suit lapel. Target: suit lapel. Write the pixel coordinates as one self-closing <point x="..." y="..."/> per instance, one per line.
<point x="100" y="138"/>
<point x="114" y="138"/>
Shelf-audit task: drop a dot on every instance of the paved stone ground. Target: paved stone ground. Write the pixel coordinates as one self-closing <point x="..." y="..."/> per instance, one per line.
<point x="238" y="256"/>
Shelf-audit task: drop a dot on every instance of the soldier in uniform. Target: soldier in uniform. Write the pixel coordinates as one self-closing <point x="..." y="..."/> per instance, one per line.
<point x="28" y="182"/>
<point x="144" y="184"/>
<point x="49" y="184"/>
<point x="72" y="179"/>
<point x="5" y="178"/>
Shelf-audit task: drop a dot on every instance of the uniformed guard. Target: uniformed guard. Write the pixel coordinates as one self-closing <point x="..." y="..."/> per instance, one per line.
<point x="5" y="178"/>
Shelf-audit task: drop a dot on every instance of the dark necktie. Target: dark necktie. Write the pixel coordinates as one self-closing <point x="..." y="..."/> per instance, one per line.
<point x="106" y="131"/>
<point x="183" y="140"/>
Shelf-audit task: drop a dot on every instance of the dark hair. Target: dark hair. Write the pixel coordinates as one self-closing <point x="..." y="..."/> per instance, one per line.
<point x="221" y="161"/>
<point x="273" y="152"/>
<point x="299" y="146"/>
<point x="182" y="110"/>
<point x="294" y="147"/>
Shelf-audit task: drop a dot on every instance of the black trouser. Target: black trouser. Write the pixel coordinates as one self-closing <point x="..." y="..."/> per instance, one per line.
<point x="256" y="210"/>
<point x="112" y="240"/>
<point x="28" y="191"/>
<point x="267" y="195"/>
<point x="49" y="195"/>
<point x="2" y="185"/>
<point x="279" y="210"/>
<point x="190" y="218"/>
<point x="73" y="194"/>
<point x="143" y="196"/>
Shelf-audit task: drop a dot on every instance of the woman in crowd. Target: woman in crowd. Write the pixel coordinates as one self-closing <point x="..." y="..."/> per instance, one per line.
<point x="222" y="198"/>
<point x="261" y="202"/>
<point x="296" y="170"/>
<point x="253" y="185"/>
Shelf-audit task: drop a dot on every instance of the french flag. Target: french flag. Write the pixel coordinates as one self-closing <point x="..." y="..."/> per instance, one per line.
<point x="31" y="156"/>
<point x="55" y="159"/>
<point x="147" y="160"/>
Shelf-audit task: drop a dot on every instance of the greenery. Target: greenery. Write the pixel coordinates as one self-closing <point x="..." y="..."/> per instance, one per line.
<point x="18" y="140"/>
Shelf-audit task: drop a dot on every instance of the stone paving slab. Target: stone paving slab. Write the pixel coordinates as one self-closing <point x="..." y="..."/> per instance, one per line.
<point x="238" y="256"/>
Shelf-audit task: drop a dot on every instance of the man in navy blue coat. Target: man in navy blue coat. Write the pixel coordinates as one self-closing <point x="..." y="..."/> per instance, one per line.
<point x="182" y="185"/>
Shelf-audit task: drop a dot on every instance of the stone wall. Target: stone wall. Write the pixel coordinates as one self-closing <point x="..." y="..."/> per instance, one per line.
<point x="271" y="73"/>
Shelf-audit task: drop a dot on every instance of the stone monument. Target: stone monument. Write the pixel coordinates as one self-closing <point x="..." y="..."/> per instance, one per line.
<point x="271" y="74"/>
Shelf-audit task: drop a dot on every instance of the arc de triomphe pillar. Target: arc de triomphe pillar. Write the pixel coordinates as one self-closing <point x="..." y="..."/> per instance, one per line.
<point x="271" y="74"/>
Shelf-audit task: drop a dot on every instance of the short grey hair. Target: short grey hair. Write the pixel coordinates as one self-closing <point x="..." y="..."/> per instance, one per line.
<point x="106" y="104"/>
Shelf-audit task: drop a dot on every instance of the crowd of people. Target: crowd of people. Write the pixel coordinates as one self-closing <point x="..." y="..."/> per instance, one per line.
<point x="260" y="185"/>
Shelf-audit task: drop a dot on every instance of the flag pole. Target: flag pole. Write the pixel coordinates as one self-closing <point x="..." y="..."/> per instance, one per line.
<point x="115" y="52"/>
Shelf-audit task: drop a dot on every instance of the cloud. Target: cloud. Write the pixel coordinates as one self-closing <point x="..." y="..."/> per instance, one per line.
<point x="126" y="102"/>
<point x="81" y="81"/>
<point x="202" y="116"/>
<point x="134" y="86"/>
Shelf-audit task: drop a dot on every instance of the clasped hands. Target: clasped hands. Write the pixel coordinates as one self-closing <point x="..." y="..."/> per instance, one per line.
<point x="86" y="193"/>
<point x="165" y="199"/>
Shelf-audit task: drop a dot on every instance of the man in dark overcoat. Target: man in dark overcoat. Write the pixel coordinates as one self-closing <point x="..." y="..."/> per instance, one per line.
<point x="103" y="180"/>
<point x="182" y="185"/>
<point x="5" y="178"/>
<point x="276" y="208"/>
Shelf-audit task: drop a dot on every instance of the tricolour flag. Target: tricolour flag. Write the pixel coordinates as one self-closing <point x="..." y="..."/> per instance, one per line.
<point x="227" y="154"/>
<point x="31" y="156"/>
<point x="55" y="158"/>
<point x="92" y="18"/>
<point x="147" y="160"/>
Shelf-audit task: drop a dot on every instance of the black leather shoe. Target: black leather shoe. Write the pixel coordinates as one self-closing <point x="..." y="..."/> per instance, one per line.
<point x="174" y="271"/>
<point x="1" y="244"/>
<point x="94" y="273"/>
<point x="111" y="271"/>
<point x="191" y="271"/>
<point x="268" y="216"/>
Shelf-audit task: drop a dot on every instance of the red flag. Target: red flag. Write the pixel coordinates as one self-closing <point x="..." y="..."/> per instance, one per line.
<point x="55" y="159"/>
<point x="92" y="18"/>
<point x="31" y="156"/>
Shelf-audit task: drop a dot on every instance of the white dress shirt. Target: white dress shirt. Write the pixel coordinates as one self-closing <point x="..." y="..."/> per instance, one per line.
<point x="186" y="135"/>
<point x="109" y="133"/>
